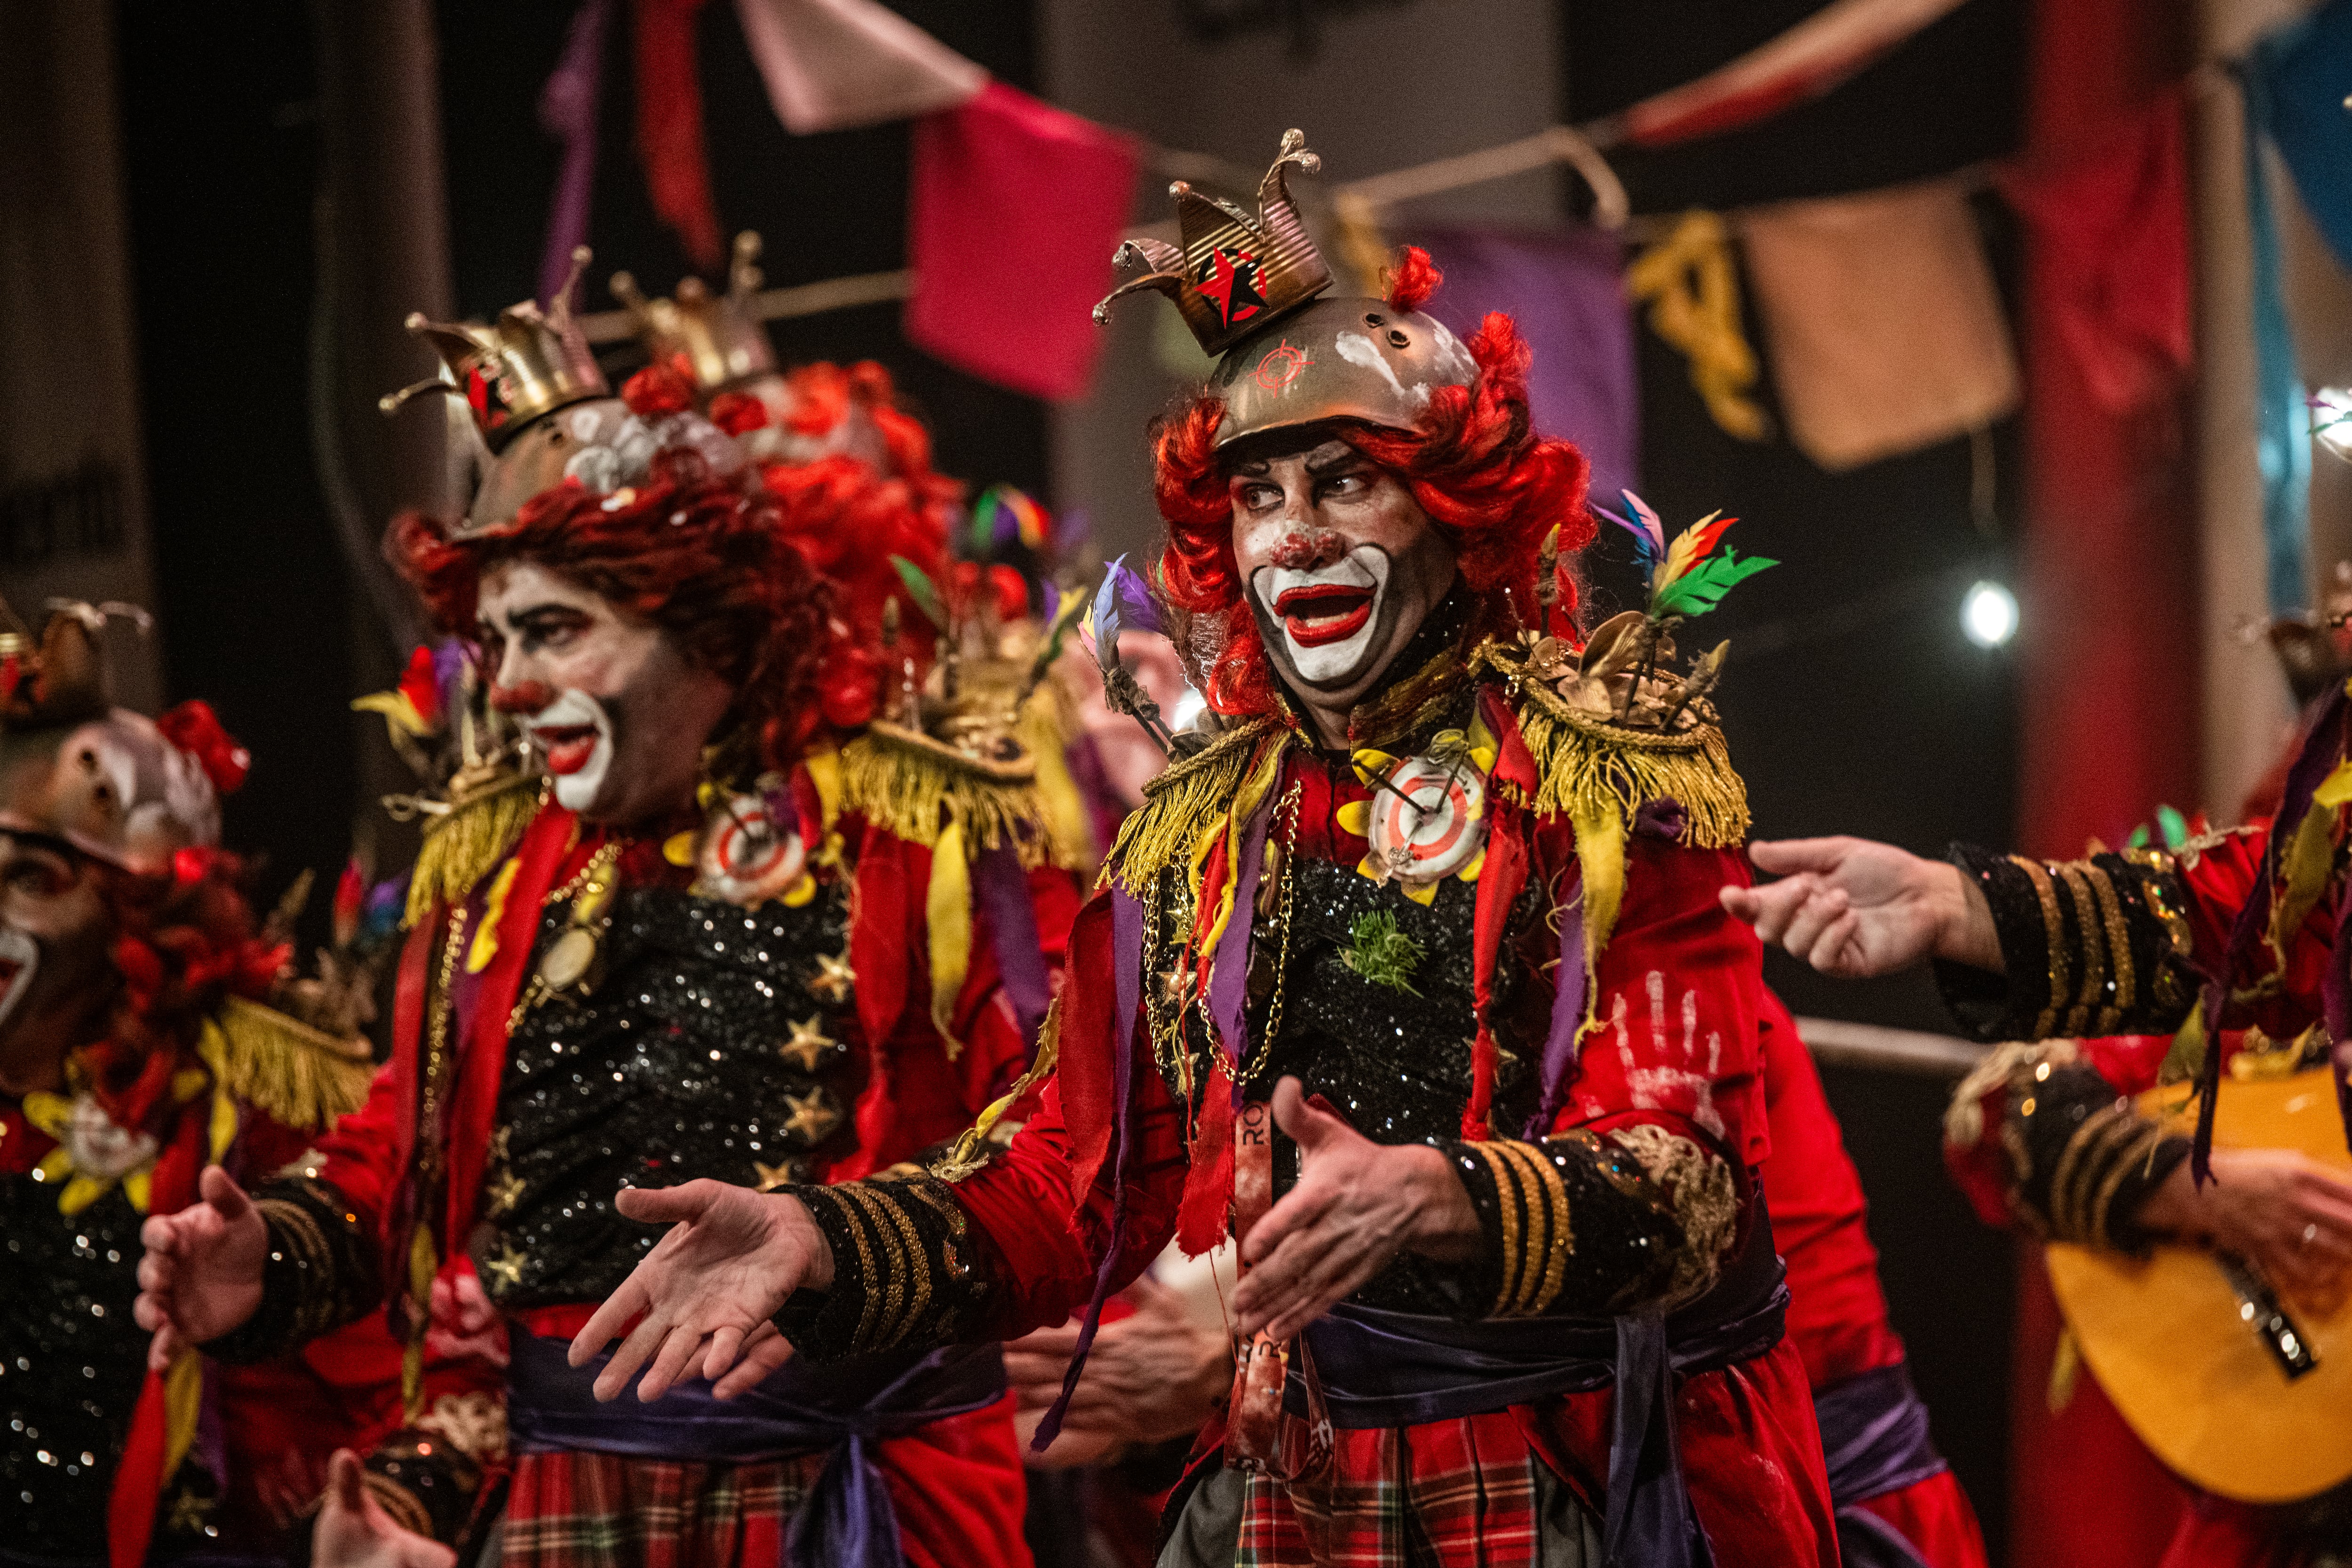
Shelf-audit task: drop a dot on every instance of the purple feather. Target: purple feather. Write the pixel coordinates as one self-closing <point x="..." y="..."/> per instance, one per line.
<point x="1050" y="597"/>
<point x="1137" y="609"/>
<point x="1649" y="533"/>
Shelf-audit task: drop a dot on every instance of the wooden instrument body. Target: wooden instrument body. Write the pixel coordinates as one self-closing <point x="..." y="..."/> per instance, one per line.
<point x="2170" y="1341"/>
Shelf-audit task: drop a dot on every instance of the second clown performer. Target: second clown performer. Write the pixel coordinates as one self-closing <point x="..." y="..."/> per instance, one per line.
<point x="692" y="941"/>
<point x="1413" y="978"/>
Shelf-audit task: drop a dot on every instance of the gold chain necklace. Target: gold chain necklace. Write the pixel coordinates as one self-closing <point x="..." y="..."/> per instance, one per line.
<point x="1289" y="874"/>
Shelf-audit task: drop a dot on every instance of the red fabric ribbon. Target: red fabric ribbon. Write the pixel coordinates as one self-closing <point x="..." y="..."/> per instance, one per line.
<point x="669" y="127"/>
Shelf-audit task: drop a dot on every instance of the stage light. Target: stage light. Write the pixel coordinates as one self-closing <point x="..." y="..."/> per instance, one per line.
<point x="1988" y="614"/>
<point x="2331" y="419"/>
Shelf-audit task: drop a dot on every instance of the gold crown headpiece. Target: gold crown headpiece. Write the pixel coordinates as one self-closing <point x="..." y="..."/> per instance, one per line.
<point x="719" y="336"/>
<point x="1234" y="274"/>
<point x="529" y="362"/>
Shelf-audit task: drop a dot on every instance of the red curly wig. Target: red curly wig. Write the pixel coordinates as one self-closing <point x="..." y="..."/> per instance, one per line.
<point x="1490" y="484"/>
<point x="849" y="518"/>
<point x="706" y="559"/>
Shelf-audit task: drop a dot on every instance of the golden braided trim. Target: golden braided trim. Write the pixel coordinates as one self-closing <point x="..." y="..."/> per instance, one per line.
<point x="297" y="1230"/>
<point x="2080" y="1165"/>
<point x="896" y="1239"/>
<point x="916" y="1262"/>
<point x="1509" y="1198"/>
<point x="2141" y="1148"/>
<point x="2054" y="932"/>
<point x="1561" y="1239"/>
<point x="407" y="1511"/>
<point x="2111" y="916"/>
<point x="853" y="1221"/>
<point x="1536" y="1237"/>
<point x="2006" y="1067"/>
<point x="2095" y="950"/>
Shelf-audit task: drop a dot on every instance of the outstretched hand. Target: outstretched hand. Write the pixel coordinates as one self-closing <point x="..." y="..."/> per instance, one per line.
<point x="701" y="1297"/>
<point x="1357" y="1205"/>
<point x="1854" y="909"/>
<point x="202" y="1274"/>
<point x="354" y="1531"/>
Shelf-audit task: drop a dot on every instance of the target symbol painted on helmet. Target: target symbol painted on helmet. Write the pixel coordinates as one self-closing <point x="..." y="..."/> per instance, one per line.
<point x="1429" y="820"/>
<point x="1284" y="363"/>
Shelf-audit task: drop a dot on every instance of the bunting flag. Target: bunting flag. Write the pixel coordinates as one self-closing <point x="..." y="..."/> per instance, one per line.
<point x="1692" y="286"/>
<point x="1827" y="47"/>
<point x="1016" y="209"/>
<point x="1567" y="295"/>
<point x="669" y="128"/>
<point x="1882" y="320"/>
<point x="567" y="111"/>
<point x="833" y="65"/>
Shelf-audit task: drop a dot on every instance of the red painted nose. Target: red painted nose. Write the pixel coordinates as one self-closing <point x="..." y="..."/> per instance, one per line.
<point x="528" y="698"/>
<point x="1306" y="551"/>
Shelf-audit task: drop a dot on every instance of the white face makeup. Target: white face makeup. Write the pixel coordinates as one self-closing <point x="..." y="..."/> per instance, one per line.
<point x="574" y="736"/>
<point x="1328" y="614"/>
<point x="1342" y="568"/>
<point x="612" y="704"/>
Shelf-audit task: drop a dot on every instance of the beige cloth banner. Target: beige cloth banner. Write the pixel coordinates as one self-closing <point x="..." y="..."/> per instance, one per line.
<point x="1881" y="322"/>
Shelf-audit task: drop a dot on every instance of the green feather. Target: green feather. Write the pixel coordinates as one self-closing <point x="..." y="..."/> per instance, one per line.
<point x="1702" y="588"/>
<point x="920" y="588"/>
<point x="2175" y="827"/>
<point x="2138" y="839"/>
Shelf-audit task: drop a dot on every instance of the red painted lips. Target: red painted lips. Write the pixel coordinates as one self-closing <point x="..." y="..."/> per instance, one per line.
<point x="1321" y="612"/>
<point x="567" y="748"/>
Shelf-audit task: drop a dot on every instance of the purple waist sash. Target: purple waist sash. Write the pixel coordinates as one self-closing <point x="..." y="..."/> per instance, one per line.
<point x="842" y="1409"/>
<point x="1875" y="1440"/>
<point x="1400" y="1369"/>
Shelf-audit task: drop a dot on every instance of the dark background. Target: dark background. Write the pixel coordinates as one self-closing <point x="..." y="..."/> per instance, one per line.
<point x="1854" y="705"/>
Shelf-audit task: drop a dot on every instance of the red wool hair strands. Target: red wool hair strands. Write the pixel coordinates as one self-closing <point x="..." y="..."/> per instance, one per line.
<point x="702" y="558"/>
<point x="1473" y="462"/>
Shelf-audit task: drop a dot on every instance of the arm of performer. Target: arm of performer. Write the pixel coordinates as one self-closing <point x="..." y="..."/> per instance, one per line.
<point x="248" y="1276"/>
<point x="2028" y="949"/>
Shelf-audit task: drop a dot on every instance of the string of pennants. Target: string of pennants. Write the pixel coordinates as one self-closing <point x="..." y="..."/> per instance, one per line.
<point x="1878" y="311"/>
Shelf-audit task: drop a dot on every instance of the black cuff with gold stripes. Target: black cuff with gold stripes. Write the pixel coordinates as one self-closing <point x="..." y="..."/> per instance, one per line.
<point x="1570" y="1225"/>
<point x="2091" y="947"/>
<point x="319" y="1274"/>
<point x="906" y="1270"/>
<point x="2083" y="1158"/>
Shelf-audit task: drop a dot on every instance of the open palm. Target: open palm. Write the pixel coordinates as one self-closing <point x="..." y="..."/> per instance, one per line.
<point x="201" y="1276"/>
<point x="1856" y="909"/>
<point x="732" y="1258"/>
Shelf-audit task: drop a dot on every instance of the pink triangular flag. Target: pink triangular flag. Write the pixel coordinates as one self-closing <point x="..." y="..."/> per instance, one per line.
<point x="831" y="65"/>
<point x="1016" y="207"/>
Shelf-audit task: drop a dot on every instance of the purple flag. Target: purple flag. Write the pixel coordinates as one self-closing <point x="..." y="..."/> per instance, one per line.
<point x="1565" y="292"/>
<point x="567" y="111"/>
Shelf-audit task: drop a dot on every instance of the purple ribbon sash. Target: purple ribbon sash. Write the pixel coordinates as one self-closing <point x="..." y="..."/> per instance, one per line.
<point x="1003" y="887"/>
<point x="843" y="1409"/>
<point x="1399" y="1369"/>
<point x="1875" y="1440"/>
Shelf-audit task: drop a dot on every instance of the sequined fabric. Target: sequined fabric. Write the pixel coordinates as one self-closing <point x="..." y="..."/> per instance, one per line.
<point x="714" y="1044"/>
<point x="71" y="1362"/>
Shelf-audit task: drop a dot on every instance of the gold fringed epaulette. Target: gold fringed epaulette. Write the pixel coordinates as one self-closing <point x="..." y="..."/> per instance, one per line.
<point x="1582" y="761"/>
<point x="299" y="1076"/>
<point x="1178" y="804"/>
<point x="918" y="788"/>
<point x="464" y="843"/>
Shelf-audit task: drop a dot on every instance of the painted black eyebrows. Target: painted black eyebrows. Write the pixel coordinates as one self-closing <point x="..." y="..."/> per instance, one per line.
<point x="1333" y="457"/>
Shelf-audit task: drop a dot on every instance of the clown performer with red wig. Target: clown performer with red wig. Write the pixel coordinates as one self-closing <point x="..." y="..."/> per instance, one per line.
<point x="1414" y="977"/>
<point x="156" y="1046"/>
<point x="720" y="916"/>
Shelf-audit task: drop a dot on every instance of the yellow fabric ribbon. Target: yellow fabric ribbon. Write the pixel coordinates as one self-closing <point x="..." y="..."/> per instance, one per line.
<point x="1600" y="851"/>
<point x="2310" y="857"/>
<point x="947" y="913"/>
<point x="184" y="1401"/>
<point x="1254" y="790"/>
<point x="1693" y="292"/>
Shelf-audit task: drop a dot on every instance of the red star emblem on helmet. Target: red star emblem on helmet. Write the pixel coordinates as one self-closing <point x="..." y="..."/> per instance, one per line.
<point x="1229" y="279"/>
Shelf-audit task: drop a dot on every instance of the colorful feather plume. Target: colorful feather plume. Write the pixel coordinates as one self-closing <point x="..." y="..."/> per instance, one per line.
<point x="1003" y="515"/>
<point x="1687" y="577"/>
<point x="1123" y="603"/>
<point x="923" y="591"/>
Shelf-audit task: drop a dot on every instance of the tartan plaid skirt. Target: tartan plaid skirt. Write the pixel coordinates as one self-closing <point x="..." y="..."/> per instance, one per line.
<point x="579" y="1510"/>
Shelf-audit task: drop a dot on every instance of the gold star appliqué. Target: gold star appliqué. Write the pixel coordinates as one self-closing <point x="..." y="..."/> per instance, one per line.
<point x="811" y="1118"/>
<point x="505" y="1268"/>
<point x="773" y="1176"/>
<point x="809" y="1044"/>
<point x="833" y="979"/>
<point x="506" y="1191"/>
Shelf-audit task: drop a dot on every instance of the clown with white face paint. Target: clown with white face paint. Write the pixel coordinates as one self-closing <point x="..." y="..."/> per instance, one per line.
<point x="1342" y="1028"/>
<point x="645" y="936"/>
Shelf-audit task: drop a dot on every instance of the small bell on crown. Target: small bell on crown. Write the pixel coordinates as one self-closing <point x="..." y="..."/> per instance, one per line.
<point x="718" y="338"/>
<point x="529" y="363"/>
<point x="1234" y="274"/>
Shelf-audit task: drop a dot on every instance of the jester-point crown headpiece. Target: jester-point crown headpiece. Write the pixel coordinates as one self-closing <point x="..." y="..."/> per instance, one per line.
<point x="527" y="364"/>
<point x="1234" y="274"/>
<point x="720" y="337"/>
